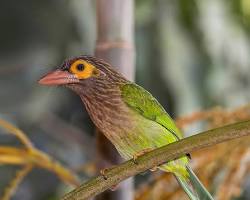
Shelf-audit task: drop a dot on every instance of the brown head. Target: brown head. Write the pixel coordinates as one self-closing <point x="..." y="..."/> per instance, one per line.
<point x="83" y="74"/>
<point x="96" y="82"/>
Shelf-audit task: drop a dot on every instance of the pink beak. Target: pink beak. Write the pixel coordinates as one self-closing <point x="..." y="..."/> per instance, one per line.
<point x="58" y="77"/>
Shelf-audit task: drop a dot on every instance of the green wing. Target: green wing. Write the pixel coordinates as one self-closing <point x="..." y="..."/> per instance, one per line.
<point x="143" y="102"/>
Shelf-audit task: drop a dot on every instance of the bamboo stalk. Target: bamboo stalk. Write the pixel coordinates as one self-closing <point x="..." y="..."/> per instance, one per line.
<point x="157" y="157"/>
<point x="115" y="45"/>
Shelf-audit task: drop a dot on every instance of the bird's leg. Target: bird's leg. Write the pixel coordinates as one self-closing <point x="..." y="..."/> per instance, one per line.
<point x="140" y="154"/>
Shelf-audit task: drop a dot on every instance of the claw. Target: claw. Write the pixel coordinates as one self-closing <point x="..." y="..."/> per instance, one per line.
<point x="153" y="169"/>
<point x="140" y="154"/>
<point x="189" y="156"/>
<point x="135" y="159"/>
<point x="102" y="172"/>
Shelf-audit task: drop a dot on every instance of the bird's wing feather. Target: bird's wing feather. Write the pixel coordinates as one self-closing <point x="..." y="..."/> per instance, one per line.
<point x="144" y="103"/>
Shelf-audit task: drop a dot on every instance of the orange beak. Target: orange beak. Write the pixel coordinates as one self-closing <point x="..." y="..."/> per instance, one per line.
<point x="58" y="77"/>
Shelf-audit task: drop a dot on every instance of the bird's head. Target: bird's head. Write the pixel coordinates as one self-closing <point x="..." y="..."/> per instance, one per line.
<point x="82" y="73"/>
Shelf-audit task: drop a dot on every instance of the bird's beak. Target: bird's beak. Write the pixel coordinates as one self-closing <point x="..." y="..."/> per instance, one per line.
<point x="58" y="77"/>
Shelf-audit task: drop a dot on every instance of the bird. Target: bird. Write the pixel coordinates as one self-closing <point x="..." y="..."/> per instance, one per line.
<point x="127" y="114"/>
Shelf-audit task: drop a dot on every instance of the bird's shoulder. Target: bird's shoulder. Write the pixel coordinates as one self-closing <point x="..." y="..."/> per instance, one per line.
<point x="144" y="103"/>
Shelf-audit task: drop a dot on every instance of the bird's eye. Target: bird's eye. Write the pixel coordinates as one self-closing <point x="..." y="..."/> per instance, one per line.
<point x="82" y="69"/>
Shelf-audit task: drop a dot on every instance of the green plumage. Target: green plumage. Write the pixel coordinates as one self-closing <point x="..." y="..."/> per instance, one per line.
<point x="145" y="105"/>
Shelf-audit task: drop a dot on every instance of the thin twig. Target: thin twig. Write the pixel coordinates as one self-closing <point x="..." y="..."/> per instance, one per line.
<point x="157" y="157"/>
<point x="11" y="189"/>
<point x="16" y="132"/>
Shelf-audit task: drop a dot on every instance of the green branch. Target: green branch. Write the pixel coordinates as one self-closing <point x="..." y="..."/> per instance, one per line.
<point x="157" y="157"/>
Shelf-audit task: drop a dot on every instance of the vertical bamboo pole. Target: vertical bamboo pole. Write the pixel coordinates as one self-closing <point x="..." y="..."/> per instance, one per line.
<point x="115" y="45"/>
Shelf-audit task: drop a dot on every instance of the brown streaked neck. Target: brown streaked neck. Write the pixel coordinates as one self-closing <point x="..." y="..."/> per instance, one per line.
<point x="105" y="106"/>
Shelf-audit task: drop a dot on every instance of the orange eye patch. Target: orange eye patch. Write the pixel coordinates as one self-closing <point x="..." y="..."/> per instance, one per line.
<point x="83" y="69"/>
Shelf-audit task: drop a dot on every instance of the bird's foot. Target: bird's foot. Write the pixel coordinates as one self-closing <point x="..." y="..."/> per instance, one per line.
<point x="103" y="173"/>
<point x="140" y="154"/>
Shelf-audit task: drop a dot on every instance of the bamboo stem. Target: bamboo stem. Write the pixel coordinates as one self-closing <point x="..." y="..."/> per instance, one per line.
<point x="157" y="157"/>
<point x="115" y="45"/>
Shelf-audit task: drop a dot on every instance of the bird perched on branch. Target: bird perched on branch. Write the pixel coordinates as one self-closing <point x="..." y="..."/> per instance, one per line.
<point x="129" y="116"/>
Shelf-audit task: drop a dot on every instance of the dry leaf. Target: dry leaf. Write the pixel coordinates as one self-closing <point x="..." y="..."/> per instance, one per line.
<point x="29" y="157"/>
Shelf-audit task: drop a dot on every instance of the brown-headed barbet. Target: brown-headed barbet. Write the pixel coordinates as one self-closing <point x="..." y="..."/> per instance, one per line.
<point x="128" y="115"/>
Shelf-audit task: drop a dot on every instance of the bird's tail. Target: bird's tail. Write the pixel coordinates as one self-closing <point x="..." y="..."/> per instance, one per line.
<point x="193" y="187"/>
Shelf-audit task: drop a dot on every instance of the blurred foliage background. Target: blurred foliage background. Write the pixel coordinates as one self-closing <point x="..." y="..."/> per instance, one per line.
<point x="191" y="55"/>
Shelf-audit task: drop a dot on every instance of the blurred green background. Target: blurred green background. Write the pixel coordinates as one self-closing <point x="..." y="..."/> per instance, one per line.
<point x="191" y="55"/>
